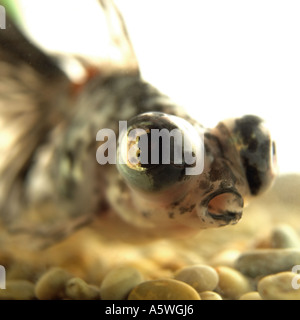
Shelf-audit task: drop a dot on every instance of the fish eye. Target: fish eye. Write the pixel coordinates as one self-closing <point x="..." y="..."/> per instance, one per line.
<point x="151" y="152"/>
<point x="257" y="152"/>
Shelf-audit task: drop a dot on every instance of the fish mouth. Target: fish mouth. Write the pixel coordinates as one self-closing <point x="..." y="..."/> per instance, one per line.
<point x="229" y="217"/>
<point x="224" y="205"/>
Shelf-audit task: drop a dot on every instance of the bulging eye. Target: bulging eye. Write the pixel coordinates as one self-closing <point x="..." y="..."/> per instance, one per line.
<point x="155" y="151"/>
<point x="256" y="150"/>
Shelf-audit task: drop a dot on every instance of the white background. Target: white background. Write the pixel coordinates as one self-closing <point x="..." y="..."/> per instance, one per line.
<point x="218" y="58"/>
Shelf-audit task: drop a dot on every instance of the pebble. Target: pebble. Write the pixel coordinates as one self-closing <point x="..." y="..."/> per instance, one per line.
<point x="279" y="286"/>
<point x="252" y="295"/>
<point x="164" y="289"/>
<point x="232" y="284"/>
<point x="119" y="282"/>
<point x="18" y="290"/>
<point x="78" y="289"/>
<point x="200" y="277"/>
<point x="210" y="295"/>
<point x="262" y="262"/>
<point x="225" y="258"/>
<point x="284" y="236"/>
<point x="52" y="284"/>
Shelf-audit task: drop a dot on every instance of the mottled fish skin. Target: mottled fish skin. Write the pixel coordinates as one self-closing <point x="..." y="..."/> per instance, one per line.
<point x="57" y="185"/>
<point x="212" y="199"/>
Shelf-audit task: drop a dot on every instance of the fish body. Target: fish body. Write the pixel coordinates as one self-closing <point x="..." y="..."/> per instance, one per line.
<point x="50" y="180"/>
